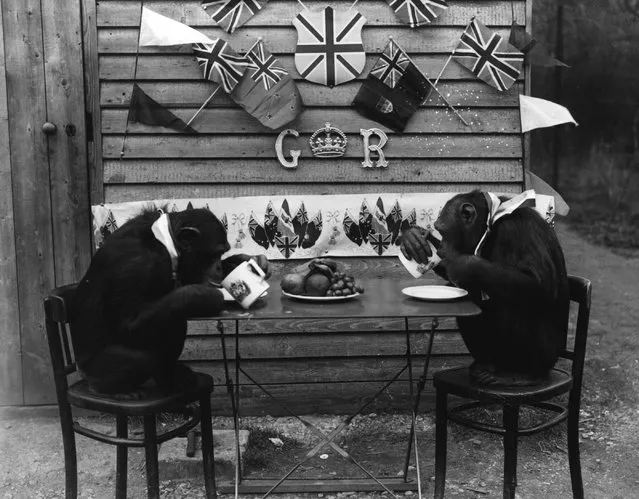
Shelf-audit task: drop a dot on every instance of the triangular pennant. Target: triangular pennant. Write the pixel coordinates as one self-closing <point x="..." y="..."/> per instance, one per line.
<point x="535" y="53"/>
<point x="532" y="181"/>
<point x="156" y="29"/>
<point x="143" y="109"/>
<point x="540" y="113"/>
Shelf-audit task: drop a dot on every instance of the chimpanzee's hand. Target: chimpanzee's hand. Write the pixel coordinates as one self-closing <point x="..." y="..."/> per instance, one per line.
<point x="264" y="264"/>
<point x="201" y="299"/>
<point x="414" y="245"/>
<point x="461" y="270"/>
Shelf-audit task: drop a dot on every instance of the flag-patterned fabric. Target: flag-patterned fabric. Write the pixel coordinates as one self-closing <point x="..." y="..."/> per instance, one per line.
<point x="231" y="14"/>
<point x="489" y="56"/>
<point x="220" y="63"/>
<point x="393" y="90"/>
<point x="417" y="12"/>
<point x="266" y="90"/>
<point x="143" y="109"/>
<point x="329" y="45"/>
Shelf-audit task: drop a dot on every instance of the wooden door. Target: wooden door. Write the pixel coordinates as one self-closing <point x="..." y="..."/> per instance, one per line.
<point x="47" y="144"/>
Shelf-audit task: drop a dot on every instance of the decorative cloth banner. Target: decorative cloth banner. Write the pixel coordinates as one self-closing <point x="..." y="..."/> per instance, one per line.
<point x="329" y="45"/>
<point x="231" y="14"/>
<point x="488" y="56"/>
<point x="156" y="29"/>
<point x="143" y="109"/>
<point x="295" y="227"/>
<point x="266" y="90"/>
<point x="220" y="63"/>
<point x="540" y="113"/>
<point x="417" y="12"/>
<point x="393" y="90"/>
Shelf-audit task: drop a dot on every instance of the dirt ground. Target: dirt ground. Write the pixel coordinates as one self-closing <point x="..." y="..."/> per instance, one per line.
<point x="31" y="461"/>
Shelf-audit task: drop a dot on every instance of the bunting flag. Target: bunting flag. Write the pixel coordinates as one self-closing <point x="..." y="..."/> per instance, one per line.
<point x="532" y="181"/>
<point x="143" y="109"/>
<point x="156" y="29"/>
<point x="393" y="90"/>
<point x="220" y="63"/>
<point x="329" y="45"/>
<point x="535" y="53"/>
<point x="417" y="12"/>
<point x="231" y="14"/>
<point x="266" y="90"/>
<point x="489" y="56"/>
<point x="540" y="113"/>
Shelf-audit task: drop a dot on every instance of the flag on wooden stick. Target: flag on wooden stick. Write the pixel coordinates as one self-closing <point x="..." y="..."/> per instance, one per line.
<point x="231" y="14"/>
<point x="535" y="53"/>
<point x="540" y="113"/>
<point x="143" y="109"/>
<point x="489" y="56"/>
<point x="393" y="90"/>
<point x="417" y="12"/>
<point x="220" y="63"/>
<point x="266" y="90"/>
<point x="156" y="29"/>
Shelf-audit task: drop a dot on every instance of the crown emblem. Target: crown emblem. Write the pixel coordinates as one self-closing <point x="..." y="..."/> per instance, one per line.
<point x="328" y="142"/>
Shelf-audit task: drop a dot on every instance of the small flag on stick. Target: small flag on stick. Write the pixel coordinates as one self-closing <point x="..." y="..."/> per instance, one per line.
<point x="266" y="90"/>
<point x="156" y="29"/>
<point x="220" y="63"/>
<point x="231" y="14"/>
<point x="540" y="113"/>
<point x="488" y="56"/>
<point x="535" y="53"/>
<point x="143" y="109"/>
<point x="417" y="12"/>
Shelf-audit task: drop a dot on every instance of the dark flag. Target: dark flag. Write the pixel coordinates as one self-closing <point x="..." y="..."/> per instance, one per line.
<point x="393" y="90"/>
<point x="266" y="90"/>
<point x="143" y="109"/>
<point x="535" y="53"/>
<point x="488" y="56"/>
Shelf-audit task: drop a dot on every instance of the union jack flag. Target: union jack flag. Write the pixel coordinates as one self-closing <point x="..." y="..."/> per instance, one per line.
<point x="329" y="46"/>
<point x="489" y="56"/>
<point x="380" y="242"/>
<point x="286" y="244"/>
<point x="220" y="63"/>
<point x="231" y="14"/>
<point x="263" y="67"/>
<point x="391" y="65"/>
<point x="417" y="12"/>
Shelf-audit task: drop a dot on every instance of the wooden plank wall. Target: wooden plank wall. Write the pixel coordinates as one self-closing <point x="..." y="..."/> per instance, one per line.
<point x="235" y="155"/>
<point x="325" y="366"/>
<point x="10" y="360"/>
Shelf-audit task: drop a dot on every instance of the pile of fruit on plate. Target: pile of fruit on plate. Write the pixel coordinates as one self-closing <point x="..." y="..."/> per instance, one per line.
<point x="322" y="278"/>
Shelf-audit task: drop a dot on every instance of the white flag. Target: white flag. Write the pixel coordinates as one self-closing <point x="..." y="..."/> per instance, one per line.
<point x="156" y="29"/>
<point x="539" y="113"/>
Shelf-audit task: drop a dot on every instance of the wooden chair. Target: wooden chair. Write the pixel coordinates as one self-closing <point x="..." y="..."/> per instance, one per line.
<point x="59" y="309"/>
<point x="457" y="382"/>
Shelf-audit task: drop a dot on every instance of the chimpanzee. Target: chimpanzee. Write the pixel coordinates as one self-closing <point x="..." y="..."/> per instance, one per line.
<point x="147" y="278"/>
<point x="518" y="278"/>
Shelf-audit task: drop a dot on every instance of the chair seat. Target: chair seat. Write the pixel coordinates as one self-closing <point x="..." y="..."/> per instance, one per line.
<point x="457" y="381"/>
<point x="80" y="395"/>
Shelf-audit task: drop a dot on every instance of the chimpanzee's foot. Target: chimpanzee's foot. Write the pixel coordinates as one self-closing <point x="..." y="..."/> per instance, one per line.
<point x="487" y="374"/>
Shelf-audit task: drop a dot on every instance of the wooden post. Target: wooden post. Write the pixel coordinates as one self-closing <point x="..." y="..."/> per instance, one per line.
<point x="10" y="361"/>
<point x="559" y="54"/>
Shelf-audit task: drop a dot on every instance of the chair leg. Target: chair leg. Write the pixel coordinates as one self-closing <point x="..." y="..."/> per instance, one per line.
<point x="574" y="460"/>
<point x="151" y="451"/>
<point x="441" y="437"/>
<point x="70" y="455"/>
<point x="511" y="421"/>
<point x="207" y="447"/>
<point x="122" y="458"/>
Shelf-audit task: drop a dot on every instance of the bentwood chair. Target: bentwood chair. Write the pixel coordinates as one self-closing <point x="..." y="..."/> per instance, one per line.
<point x="457" y="382"/>
<point x="59" y="310"/>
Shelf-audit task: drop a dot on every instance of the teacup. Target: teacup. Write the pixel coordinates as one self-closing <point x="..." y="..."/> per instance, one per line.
<point x="419" y="269"/>
<point x="246" y="283"/>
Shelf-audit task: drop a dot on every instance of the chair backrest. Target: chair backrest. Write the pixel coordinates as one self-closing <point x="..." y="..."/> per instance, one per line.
<point x="58" y="309"/>
<point x="580" y="293"/>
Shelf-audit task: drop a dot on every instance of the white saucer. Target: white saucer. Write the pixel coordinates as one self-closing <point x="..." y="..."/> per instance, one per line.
<point x="320" y="298"/>
<point x="434" y="293"/>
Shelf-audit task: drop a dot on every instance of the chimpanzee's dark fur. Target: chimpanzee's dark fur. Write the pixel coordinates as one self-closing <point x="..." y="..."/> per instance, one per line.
<point x="521" y="268"/>
<point x="130" y="321"/>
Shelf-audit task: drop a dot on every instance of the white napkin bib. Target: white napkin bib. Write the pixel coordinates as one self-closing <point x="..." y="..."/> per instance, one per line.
<point x="162" y="233"/>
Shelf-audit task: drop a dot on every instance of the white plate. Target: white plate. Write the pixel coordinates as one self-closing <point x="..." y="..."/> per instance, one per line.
<point x="320" y="298"/>
<point x="434" y="293"/>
